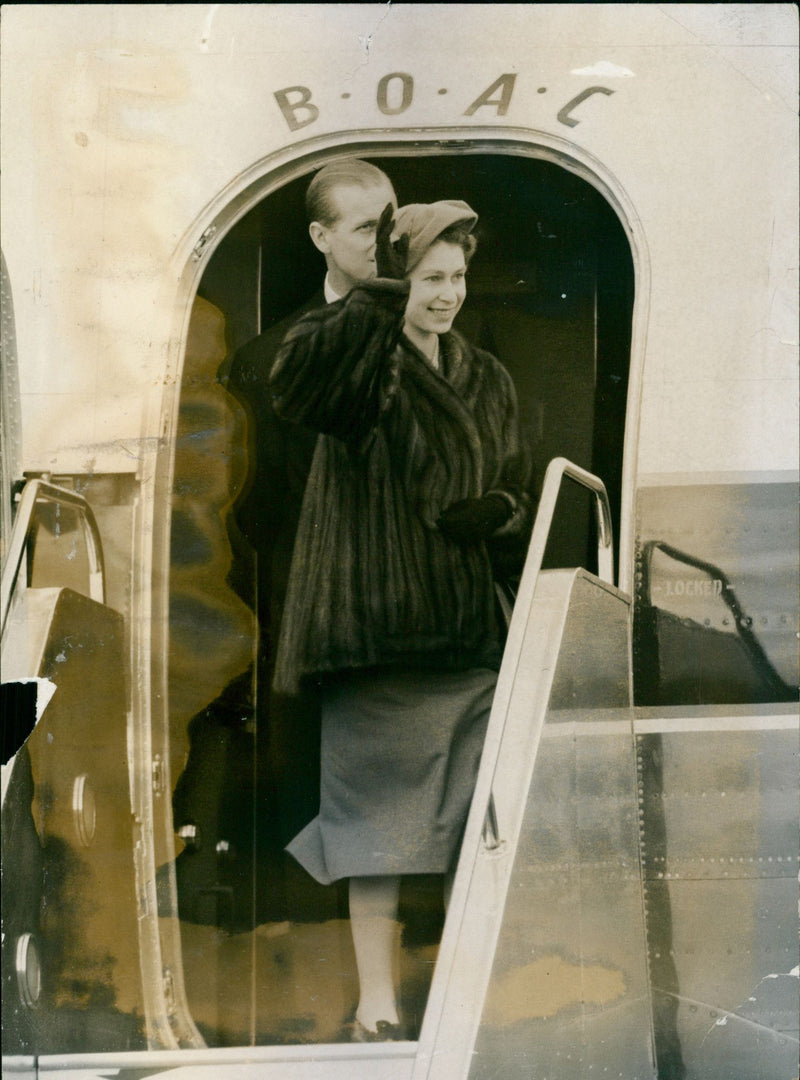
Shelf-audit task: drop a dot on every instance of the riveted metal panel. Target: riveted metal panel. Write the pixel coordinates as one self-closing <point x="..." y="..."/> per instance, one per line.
<point x="719" y="839"/>
<point x="568" y="992"/>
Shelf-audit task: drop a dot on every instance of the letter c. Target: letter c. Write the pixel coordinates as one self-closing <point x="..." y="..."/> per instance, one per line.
<point x="570" y="121"/>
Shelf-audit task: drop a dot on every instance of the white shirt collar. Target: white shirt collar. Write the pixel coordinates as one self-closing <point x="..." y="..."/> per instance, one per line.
<point x="331" y="296"/>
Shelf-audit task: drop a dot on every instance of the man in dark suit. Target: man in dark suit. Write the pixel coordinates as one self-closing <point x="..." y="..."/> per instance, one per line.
<point x="343" y="203"/>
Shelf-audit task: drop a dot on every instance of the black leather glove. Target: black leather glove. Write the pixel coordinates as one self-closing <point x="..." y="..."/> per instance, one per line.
<point x="390" y="258"/>
<point x="471" y="520"/>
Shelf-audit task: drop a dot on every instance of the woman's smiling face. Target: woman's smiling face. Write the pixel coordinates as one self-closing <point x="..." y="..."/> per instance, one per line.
<point x="438" y="288"/>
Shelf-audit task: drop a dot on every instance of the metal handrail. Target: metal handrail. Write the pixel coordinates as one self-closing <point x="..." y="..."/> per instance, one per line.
<point x="556" y="471"/>
<point x="741" y="622"/>
<point x="41" y="491"/>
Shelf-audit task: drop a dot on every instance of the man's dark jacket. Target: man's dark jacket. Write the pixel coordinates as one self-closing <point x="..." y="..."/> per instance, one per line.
<point x="267" y="509"/>
<point x="267" y="513"/>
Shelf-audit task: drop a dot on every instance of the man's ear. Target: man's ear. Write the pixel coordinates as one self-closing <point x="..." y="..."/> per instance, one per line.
<point x="319" y="237"/>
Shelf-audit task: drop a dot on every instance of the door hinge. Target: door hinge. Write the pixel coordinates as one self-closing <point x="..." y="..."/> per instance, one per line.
<point x="202" y="243"/>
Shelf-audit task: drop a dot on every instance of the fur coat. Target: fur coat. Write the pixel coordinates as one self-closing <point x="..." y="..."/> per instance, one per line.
<point x="373" y="581"/>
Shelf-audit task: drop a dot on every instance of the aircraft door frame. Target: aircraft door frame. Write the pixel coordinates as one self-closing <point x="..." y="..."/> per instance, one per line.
<point x="274" y="171"/>
<point x="152" y="553"/>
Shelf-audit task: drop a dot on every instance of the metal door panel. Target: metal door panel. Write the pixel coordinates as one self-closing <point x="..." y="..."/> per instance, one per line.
<point x="79" y="802"/>
<point x="720" y="1046"/>
<point x="719" y="815"/>
<point x="571" y="951"/>
<point x="558" y="889"/>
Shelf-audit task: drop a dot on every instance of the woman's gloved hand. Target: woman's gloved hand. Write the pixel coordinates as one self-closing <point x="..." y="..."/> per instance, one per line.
<point x="390" y="257"/>
<point x="471" y="520"/>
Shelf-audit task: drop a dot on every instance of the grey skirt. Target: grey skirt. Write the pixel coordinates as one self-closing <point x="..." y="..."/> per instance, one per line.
<point x="400" y="753"/>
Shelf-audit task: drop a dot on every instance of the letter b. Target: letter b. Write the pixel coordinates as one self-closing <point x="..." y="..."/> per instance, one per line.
<point x="290" y="109"/>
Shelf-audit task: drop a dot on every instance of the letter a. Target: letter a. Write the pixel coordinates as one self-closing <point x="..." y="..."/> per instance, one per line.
<point x="290" y="109"/>
<point x="505" y="84"/>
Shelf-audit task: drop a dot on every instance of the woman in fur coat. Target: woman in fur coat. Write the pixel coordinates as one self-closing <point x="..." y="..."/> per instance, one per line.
<point x="417" y="488"/>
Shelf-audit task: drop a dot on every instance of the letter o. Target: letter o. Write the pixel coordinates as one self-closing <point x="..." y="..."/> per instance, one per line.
<point x="407" y="83"/>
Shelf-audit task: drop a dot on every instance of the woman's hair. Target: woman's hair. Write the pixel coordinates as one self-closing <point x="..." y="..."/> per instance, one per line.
<point x="351" y="172"/>
<point x="461" y="237"/>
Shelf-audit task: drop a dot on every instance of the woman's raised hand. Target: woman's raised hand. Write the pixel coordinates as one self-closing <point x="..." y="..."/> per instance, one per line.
<point x="390" y="258"/>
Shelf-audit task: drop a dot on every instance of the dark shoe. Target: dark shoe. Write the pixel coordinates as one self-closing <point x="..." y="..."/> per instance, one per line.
<point x="386" y="1032"/>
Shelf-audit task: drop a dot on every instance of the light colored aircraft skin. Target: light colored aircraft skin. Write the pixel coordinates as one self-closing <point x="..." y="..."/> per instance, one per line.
<point x="625" y="898"/>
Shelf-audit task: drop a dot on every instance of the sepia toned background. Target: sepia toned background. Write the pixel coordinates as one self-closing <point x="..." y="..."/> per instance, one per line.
<point x="630" y="908"/>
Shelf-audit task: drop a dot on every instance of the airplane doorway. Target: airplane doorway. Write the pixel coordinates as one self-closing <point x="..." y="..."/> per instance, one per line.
<point x="550" y="293"/>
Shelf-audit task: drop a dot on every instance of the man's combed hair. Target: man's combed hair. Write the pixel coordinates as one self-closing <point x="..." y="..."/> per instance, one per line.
<point x="352" y="172"/>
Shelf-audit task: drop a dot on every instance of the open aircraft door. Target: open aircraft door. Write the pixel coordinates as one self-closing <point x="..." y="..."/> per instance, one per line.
<point x="82" y="945"/>
<point x="70" y="916"/>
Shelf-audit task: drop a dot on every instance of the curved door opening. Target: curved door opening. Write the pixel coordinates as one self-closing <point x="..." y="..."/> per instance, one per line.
<point x="267" y="951"/>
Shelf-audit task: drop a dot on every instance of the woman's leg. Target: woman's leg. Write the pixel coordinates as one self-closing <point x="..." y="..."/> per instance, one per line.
<point x="373" y="923"/>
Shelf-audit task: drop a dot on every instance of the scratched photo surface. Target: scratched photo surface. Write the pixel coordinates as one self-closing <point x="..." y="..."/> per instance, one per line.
<point x="621" y="898"/>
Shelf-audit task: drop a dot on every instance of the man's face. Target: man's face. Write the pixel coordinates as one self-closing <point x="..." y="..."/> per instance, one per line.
<point x="349" y="244"/>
